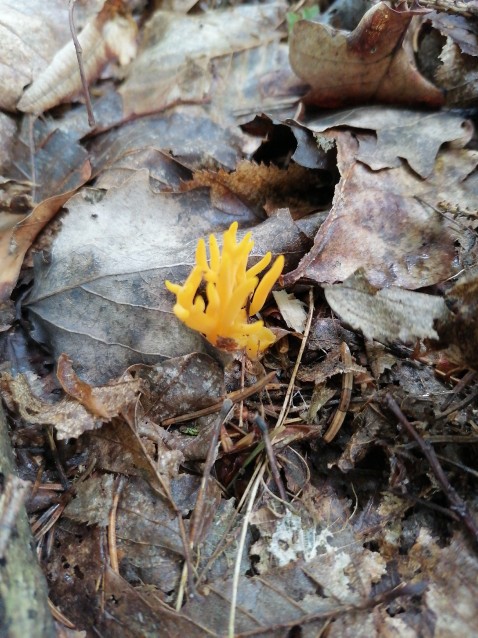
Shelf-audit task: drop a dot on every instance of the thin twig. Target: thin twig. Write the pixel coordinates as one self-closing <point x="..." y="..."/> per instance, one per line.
<point x="31" y="145"/>
<point x="56" y="457"/>
<point x="458" y="406"/>
<point x="240" y="550"/>
<point x="462" y="383"/>
<point x="345" y="396"/>
<point x="15" y="492"/>
<point x="79" y="56"/>
<point x="261" y="424"/>
<point x="288" y="397"/>
<point x="457" y="504"/>
<point x="197" y="518"/>
<point x="237" y="395"/>
<point x="118" y="488"/>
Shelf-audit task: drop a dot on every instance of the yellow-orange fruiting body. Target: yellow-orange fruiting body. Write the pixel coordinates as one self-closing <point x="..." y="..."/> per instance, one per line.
<point x="233" y="294"/>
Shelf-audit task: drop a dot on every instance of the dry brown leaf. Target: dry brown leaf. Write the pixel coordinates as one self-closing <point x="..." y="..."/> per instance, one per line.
<point x="106" y="36"/>
<point x="367" y="426"/>
<point x="69" y="416"/>
<point x="15" y="242"/>
<point x="119" y="448"/>
<point x="376" y="223"/>
<point x="378" y="358"/>
<point x="458" y="76"/>
<point x="332" y="365"/>
<point x="104" y="402"/>
<point x="372" y="63"/>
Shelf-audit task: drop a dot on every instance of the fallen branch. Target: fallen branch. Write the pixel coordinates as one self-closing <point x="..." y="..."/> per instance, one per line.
<point x="457" y="504"/>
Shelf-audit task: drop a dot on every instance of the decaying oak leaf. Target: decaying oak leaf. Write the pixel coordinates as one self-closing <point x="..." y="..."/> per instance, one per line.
<point x="452" y="588"/>
<point x="69" y="417"/>
<point x="372" y="63"/>
<point x="108" y="35"/>
<point x="101" y="297"/>
<point x="377" y="223"/>
<point x="93" y="500"/>
<point x="182" y="385"/>
<point x="414" y="135"/>
<point x="387" y="315"/>
<point x="15" y="242"/>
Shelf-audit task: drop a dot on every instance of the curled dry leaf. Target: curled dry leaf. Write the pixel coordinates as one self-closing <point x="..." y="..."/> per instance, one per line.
<point x="104" y="402"/>
<point x="291" y="309"/>
<point x="109" y="35"/>
<point x="372" y="63"/>
<point x="30" y="34"/>
<point x="454" y="40"/>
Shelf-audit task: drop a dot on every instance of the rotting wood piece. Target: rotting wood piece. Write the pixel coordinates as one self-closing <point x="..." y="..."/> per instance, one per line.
<point x="23" y="594"/>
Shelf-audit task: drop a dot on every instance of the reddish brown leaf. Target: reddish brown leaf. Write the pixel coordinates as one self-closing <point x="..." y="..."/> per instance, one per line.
<point x="376" y="223"/>
<point x="106" y="401"/>
<point x="369" y="64"/>
<point x="15" y="242"/>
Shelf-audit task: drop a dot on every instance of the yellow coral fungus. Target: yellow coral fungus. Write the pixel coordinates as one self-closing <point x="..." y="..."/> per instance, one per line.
<point x="233" y="294"/>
